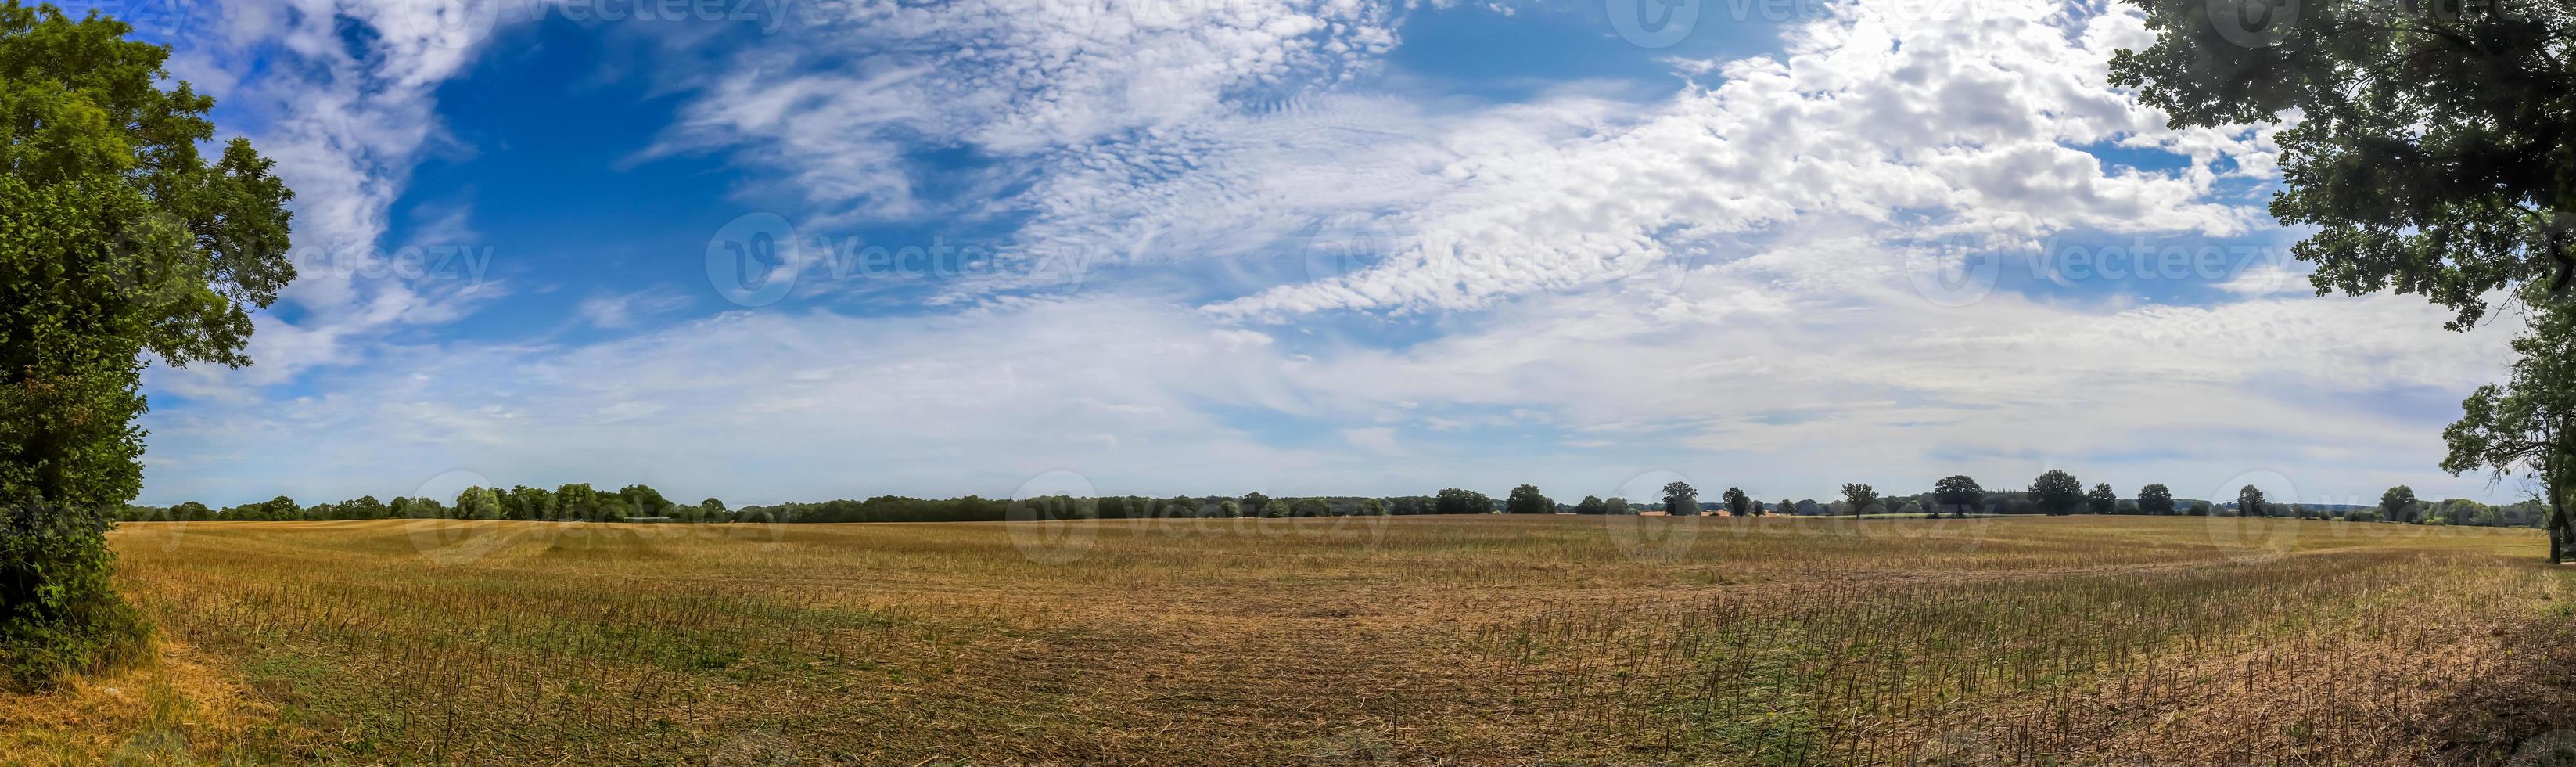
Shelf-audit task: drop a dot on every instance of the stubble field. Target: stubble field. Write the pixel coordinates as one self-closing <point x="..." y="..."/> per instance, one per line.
<point x="1470" y="640"/>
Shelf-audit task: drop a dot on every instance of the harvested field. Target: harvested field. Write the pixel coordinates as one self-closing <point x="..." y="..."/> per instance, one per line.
<point x="1343" y="640"/>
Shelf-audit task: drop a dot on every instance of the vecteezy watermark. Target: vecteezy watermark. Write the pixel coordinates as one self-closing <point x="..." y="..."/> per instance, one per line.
<point x="758" y="259"/>
<point x="1053" y="518"/>
<point x="1962" y="269"/>
<point x="456" y="23"/>
<point x="1664" y="23"/>
<point x="463" y="23"/>
<point x="1334" y="251"/>
<point x="466" y="264"/>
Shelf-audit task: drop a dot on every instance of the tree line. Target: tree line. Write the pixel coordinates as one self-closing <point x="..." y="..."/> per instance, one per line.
<point x="2053" y="493"/>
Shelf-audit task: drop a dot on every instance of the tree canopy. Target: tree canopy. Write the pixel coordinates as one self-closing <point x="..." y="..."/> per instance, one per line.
<point x="2056" y="492"/>
<point x="118" y="238"/>
<point x="2431" y="140"/>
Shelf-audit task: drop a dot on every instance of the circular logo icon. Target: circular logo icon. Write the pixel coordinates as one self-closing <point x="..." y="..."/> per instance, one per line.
<point x="1653" y="23"/>
<point x="457" y="24"/>
<point x="2249" y="536"/>
<point x="1953" y="272"/>
<point x="1337" y="249"/>
<point x="1054" y="518"/>
<point x="149" y="260"/>
<point x="452" y="541"/>
<point x="2254" y="23"/>
<point x="1657" y="539"/>
<point x="752" y="261"/>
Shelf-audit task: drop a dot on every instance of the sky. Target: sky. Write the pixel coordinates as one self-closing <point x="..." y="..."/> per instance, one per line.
<point x="772" y="250"/>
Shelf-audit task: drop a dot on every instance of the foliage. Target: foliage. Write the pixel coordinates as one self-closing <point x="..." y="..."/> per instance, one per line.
<point x="1956" y="494"/>
<point x="2155" y="500"/>
<point x="118" y="239"/>
<point x="1680" y="499"/>
<point x="1737" y="503"/>
<point x="1862" y="499"/>
<point x="2056" y="492"/>
<point x="1526" y="499"/>
<point x="2429" y="151"/>
<point x="2249" y="502"/>
<point x="1456" y="501"/>
<point x="2101" y="499"/>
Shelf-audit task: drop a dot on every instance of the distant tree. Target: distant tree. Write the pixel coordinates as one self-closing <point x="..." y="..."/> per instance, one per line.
<point x="1680" y="500"/>
<point x="1526" y="499"/>
<point x="1310" y="507"/>
<point x="2399" y="504"/>
<point x="2249" y="502"/>
<point x="578" y="501"/>
<point x="1807" y="507"/>
<point x="2101" y="499"/>
<point x="1789" y="507"/>
<point x="642" y="501"/>
<point x="1617" y="505"/>
<point x="2200" y="508"/>
<point x="1229" y="508"/>
<point x="714" y="510"/>
<point x="1368" y="507"/>
<point x="2056" y="492"/>
<point x="1737" y="503"/>
<point x="2155" y="500"/>
<point x="1456" y="501"/>
<point x="1956" y="494"/>
<point x="1252" y="503"/>
<point x="478" y="503"/>
<point x="1860" y="498"/>
<point x="1592" y="504"/>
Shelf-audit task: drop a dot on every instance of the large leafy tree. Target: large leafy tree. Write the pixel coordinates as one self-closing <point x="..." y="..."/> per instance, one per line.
<point x="119" y="238"/>
<point x="1526" y="499"/>
<point x="2250" y="502"/>
<point x="1680" y="499"/>
<point x="2155" y="500"/>
<point x="2432" y="140"/>
<point x="1861" y="498"/>
<point x="1737" y="503"/>
<point x="1956" y="494"/>
<point x="2398" y="503"/>
<point x="2101" y="499"/>
<point x="2528" y="424"/>
<point x="2056" y="492"/>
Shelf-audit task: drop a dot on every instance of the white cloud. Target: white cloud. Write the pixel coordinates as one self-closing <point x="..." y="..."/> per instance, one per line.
<point x="1007" y="78"/>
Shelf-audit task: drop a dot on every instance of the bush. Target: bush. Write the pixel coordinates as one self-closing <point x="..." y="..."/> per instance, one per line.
<point x="58" y="611"/>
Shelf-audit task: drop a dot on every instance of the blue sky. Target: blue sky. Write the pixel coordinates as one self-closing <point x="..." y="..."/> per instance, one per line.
<point x="774" y="250"/>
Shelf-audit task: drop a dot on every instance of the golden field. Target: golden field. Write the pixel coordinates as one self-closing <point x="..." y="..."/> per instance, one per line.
<point x="1464" y="640"/>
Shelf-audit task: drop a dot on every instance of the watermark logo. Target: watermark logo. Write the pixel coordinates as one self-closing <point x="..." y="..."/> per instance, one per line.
<point x="2555" y="748"/>
<point x="1653" y="23"/>
<point x="452" y="542"/>
<point x="1054" y="518"/>
<point x="2249" y="536"/>
<point x="1954" y="271"/>
<point x="1335" y="250"/>
<point x="1656" y="539"/>
<point x="2254" y="23"/>
<point x="753" y="260"/>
